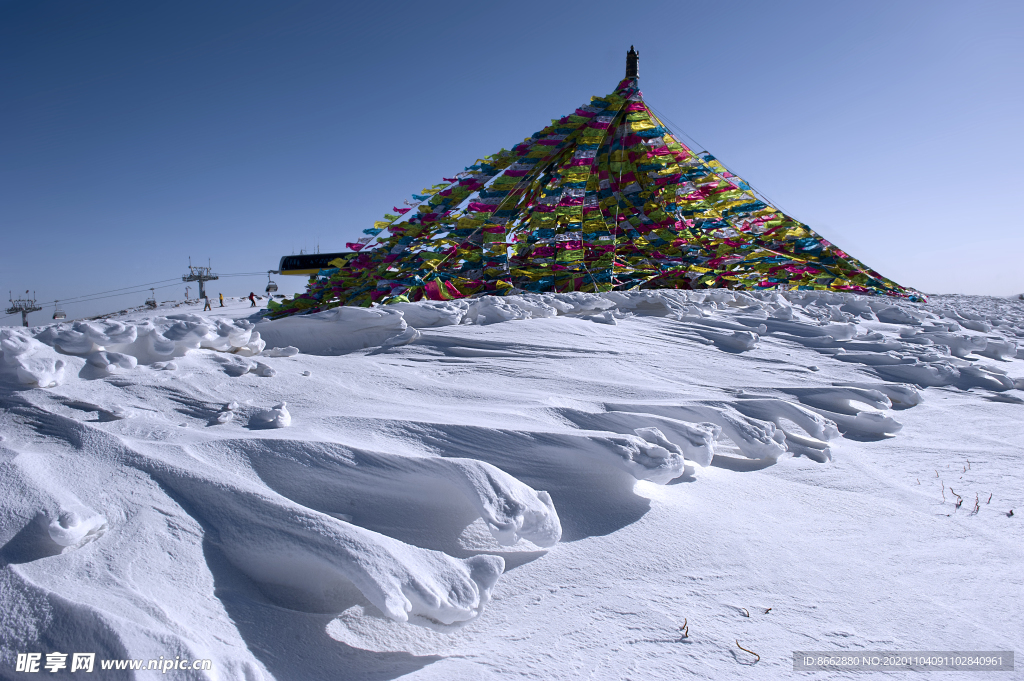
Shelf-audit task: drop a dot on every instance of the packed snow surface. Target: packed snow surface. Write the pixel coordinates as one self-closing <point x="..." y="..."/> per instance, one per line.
<point x="558" y="486"/>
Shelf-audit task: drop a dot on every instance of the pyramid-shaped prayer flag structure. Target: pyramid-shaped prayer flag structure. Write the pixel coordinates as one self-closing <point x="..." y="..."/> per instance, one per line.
<point x="606" y="198"/>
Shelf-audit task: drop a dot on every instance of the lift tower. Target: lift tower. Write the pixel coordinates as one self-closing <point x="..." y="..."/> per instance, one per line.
<point x="200" y="274"/>
<point x="24" y="306"/>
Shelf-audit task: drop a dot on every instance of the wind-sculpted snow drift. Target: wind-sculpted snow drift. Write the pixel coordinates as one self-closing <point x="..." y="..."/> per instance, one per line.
<point x="110" y="346"/>
<point x="167" y="477"/>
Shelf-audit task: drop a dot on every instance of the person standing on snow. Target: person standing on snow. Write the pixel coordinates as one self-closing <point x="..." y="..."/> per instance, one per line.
<point x="207" y="306"/>
<point x="252" y="299"/>
<point x="221" y="299"/>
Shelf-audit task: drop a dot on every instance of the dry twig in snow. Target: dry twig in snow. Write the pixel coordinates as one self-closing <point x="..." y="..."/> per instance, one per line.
<point x="748" y="651"/>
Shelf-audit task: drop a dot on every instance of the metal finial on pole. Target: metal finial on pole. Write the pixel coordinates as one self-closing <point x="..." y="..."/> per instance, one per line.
<point x="632" y="63"/>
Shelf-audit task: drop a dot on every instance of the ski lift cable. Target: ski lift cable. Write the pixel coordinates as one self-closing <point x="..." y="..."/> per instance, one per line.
<point x="117" y="295"/>
<point x="142" y="288"/>
<point x="85" y="299"/>
<point x="113" y="290"/>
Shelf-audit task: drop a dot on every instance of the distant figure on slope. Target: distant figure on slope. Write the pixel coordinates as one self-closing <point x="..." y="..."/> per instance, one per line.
<point x="221" y="299"/>
<point x="207" y="306"/>
<point x="252" y="299"/>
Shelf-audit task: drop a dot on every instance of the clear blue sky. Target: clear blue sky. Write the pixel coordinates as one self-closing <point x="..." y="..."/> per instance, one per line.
<point x="136" y="134"/>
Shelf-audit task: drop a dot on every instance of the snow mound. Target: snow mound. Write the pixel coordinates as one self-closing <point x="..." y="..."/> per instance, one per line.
<point x="929" y="374"/>
<point x="289" y="351"/>
<point x="278" y="417"/>
<point x="154" y="340"/>
<point x="28" y="361"/>
<point x="72" y="527"/>
<point x="756" y="439"/>
<point x="424" y="315"/>
<point x="737" y="341"/>
<point x="335" y="332"/>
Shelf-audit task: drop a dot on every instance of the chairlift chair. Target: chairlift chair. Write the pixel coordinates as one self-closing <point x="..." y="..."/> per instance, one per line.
<point x="151" y="301"/>
<point x="58" y="313"/>
<point x="271" y="286"/>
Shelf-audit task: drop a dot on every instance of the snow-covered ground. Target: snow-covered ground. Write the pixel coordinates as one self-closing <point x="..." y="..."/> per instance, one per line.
<point x="543" y="487"/>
